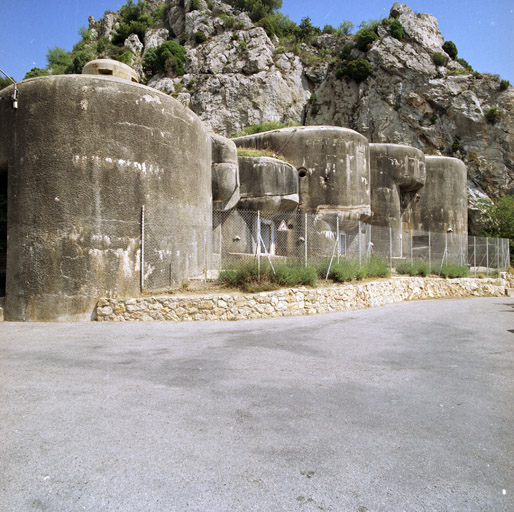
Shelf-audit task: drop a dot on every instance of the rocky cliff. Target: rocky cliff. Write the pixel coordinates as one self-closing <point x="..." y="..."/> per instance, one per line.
<point x="235" y="75"/>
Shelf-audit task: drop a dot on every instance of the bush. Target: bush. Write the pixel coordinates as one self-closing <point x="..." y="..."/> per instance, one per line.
<point x="344" y="271"/>
<point x="396" y="30"/>
<point x="200" y="37"/>
<point x="465" y="64"/>
<point x="416" y="268"/>
<point x="80" y="59"/>
<point x="439" y="59"/>
<point x="377" y="267"/>
<point x="452" y="271"/>
<point x="256" y="9"/>
<point x="168" y="56"/>
<point x="245" y="276"/>
<point x="277" y="24"/>
<point x="294" y="275"/>
<point x="451" y="49"/>
<point x="365" y="37"/>
<point x="195" y="5"/>
<point x="504" y="85"/>
<point x="348" y="269"/>
<point x="345" y="27"/>
<point x="492" y="114"/>
<point x="358" y="69"/>
<point x="126" y="58"/>
<point x="306" y="31"/>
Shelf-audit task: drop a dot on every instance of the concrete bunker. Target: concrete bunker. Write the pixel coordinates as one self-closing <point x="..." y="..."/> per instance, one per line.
<point x="110" y="67"/>
<point x="397" y="178"/>
<point x="78" y="178"/>
<point x="82" y="154"/>
<point x="332" y="167"/>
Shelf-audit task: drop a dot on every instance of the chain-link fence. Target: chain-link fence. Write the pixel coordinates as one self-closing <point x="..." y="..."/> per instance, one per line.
<point x="311" y="238"/>
<point x="169" y="257"/>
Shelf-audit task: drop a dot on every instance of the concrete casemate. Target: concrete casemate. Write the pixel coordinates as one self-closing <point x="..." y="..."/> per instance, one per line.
<point x="83" y="154"/>
<point x="267" y="184"/>
<point x="110" y="67"/>
<point x="443" y="204"/>
<point x="332" y="165"/>
<point x="225" y="173"/>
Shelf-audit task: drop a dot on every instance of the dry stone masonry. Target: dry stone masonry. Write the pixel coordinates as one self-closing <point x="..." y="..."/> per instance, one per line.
<point x="294" y="301"/>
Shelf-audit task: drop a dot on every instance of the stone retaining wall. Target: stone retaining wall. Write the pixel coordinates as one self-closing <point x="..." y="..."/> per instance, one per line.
<point x="294" y="301"/>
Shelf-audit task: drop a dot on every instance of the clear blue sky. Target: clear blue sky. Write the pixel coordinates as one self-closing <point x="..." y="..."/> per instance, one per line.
<point x="482" y="30"/>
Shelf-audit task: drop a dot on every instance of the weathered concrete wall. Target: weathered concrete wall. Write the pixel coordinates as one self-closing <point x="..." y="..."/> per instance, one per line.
<point x="443" y="201"/>
<point x="267" y="184"/>
<point x="294" y="301"/>
<point x="85" y="153"/>
<point x="397" y="175"/>
<point x="332" y="163"/>
<point x="109" y="67"/>
<point x="225" y="173"/>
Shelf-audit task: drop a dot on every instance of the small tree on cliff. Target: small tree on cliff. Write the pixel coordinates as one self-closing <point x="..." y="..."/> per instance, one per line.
<point x="256" y="9"/>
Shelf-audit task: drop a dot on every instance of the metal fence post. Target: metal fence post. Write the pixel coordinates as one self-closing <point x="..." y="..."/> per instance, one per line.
<point x="487" y="256"/>
<point x="337" y="238"/>
<point x="142" y="270"/>
<point x="445" y="256"/>
<point x="306" y="220"/>
<point x="498" y="254"/>
<point x="259" y="245"/>
<point x="429" y="253"/>
<point x="360" y="244"/>
<point x="411" y="259"/>
<point x="390" y="247"/>
<point x="475" y="254"/>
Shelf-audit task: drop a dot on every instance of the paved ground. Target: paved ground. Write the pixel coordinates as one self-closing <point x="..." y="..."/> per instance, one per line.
<point x="406" y="407"/>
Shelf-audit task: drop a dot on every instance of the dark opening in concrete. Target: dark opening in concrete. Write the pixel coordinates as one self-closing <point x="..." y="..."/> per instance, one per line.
<point x="3" y="229"/>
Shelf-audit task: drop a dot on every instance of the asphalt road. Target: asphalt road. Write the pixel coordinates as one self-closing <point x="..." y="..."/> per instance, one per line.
<point x="406" y="407"/>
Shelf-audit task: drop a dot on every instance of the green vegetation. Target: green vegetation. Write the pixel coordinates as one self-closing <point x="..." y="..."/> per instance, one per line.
<point x="498" y="216"/>
<point x="420" y="268"/>
<point x="263" y="127"/>
<point x="4" y="82"/>
<point x="451" y="271"/>
<point x="492" y="114"/>
<point x="245" y="276"/>
<point x="356" y="69"/>
<point x="451" y="49"/>
<point x="200" y="37"/>
<point x="504" y="85"/>
<point x="256" y="9"/>
<point x="59" y="61"/>
<point x="255" y="153"/>
<point x="415" y="268"/>
<point x="396" y="29"/>
<point x="134" y="19"/>
<point x="349" y="269"/>
<point x="457" y="146"/>
<point x="365" y="37"/>
<point x="306" y="31"/>
<point x="169" y="56"/>
<point x="439" y="59"/>
<point x="465" y="64"/>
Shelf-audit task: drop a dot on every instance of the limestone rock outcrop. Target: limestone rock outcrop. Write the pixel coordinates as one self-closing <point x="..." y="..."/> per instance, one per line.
<point x="236" y="75"/>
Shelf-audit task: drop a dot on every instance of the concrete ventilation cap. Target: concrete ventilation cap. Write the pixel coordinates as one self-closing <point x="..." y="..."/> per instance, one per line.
<point x="109" y="67"/>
